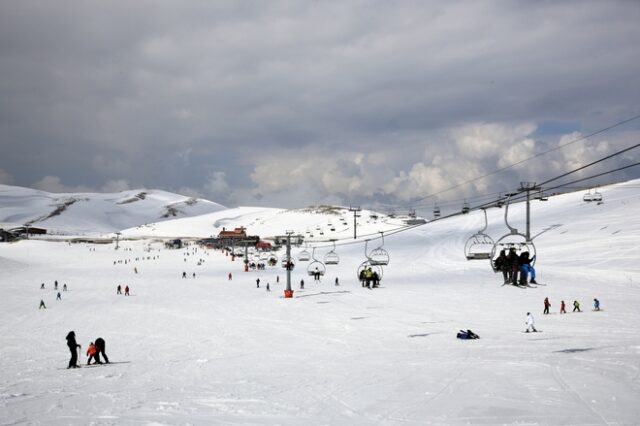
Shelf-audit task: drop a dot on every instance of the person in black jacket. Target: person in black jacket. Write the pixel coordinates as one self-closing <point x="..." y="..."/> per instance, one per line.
<point x="513" y="265"/>
<point x="73" y="346"/>
<point x="501" y="264"/>
<point x="100" y="345"/>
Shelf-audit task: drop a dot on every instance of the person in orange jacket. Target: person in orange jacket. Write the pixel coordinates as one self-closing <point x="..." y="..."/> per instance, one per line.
<point x="91" y="352"/>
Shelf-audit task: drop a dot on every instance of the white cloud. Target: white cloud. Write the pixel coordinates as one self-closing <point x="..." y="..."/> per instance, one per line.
<point x="5" y="177"/>
<point x="54" y="184"/>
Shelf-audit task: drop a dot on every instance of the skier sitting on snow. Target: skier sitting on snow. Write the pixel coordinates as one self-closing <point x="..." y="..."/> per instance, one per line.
<point x="467" y="335"/>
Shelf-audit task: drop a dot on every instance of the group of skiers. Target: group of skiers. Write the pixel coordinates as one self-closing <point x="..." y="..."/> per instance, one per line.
<point x="119" y="290"/>
<point x="55" y="287"/>
<point x="516" y="269"/>
<point x="369" y="278"/>
<point x="563" y="307"/>
<point x="93" y="352"/>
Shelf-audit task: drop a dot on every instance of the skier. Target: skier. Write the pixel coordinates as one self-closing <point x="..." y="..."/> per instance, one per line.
<point x="257" y="282"/>
<point x="91" y="353"/>
<point x="135" y="269"/>
<point x="55" y="285"/>
<point x="73" y="347"/>
<point x="42" y="305"/>
<point x="230" y="276"/>
<point x="596" y="305"/>
<point x="277" y="279"/>
<point x="42" y="286"/>
<point x="119" y="289"/>
<point x="576" y="306"/>
<point x="337" y="283"/>
<point x="100" y="345"/>
<point x="547" y="304"/>
<point x="562" y="307"/>
<point x="194" y="275"/>
<point x="526" y="268"/>
<point x="502" y="264"/>
<point x="268" y="287"/>
<point x="126" y="291"/>
<point x="301" y="284"/>
<point x="59" y="297"/>
<point x="530" y="323"/>
<point x="64" y="287"/>
<point x="184" y="274"/>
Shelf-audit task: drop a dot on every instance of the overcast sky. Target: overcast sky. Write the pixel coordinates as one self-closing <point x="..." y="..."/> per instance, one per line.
<point x="291" y="103"/>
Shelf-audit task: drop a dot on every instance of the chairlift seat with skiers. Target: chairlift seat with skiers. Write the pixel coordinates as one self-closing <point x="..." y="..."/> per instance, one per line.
<point x="374" y="267"/>
<point x="316" y="267"/>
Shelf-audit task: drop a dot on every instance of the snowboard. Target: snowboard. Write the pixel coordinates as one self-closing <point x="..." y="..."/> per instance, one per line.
<point x="531" y="332"/>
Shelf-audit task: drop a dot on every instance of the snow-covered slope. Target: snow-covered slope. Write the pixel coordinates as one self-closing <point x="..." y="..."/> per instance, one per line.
<point x="209" y="350"/>
<point x="95" y="213"/>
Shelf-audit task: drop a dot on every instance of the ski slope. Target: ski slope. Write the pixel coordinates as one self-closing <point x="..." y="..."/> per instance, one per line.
<point x="213" y="351"/>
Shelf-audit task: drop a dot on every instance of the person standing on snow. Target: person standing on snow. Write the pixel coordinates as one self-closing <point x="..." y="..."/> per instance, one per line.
<point x="337" y="282"/>
<point x="301" y="284"/>
<point x="64" y="287"/>
<point x="73" y="348"/>
<point x="42" y="305"/>
<point x="100" y="345"/>
<point x="530" y="323"/>
<point x="596" y="305"/>
<point x="126" y="291"/>
<point x="119" y="289"/>
<point x="547" y="305"/>
<point x="576" y="306"/>
<point x="562" y="307"/>
<point x="91" y="352"/>
<point x="257" y="282"/>
<point x="59" y="296"/>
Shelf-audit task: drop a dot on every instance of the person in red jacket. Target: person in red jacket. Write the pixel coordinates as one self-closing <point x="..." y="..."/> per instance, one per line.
<point x="562" y="307"/>
<point x="91" y="353"/>
<point x="547" y="305"/>
<point x="126" y="291"/>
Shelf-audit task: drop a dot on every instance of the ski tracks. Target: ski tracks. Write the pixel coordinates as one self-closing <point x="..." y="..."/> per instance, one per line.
<point x="557" y="375"/>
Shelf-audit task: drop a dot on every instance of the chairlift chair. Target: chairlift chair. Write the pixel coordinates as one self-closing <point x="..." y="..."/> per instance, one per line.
<point x="596" y="197"/>
<point x="587" y="197"/>
<point x="436" y="212"/>
<point x="304" y="256"/>
<point x="479" y="245"/>
<point x="465" y="207"/>
<point x="375" y="268"/>
<point x="332" y="258"/>
<point x="288" y="262"/>
<point x="315" y="267"/>
<point x="272" y="260"/>
<point x="378" y="256"/>
<point x="513" y="240"/>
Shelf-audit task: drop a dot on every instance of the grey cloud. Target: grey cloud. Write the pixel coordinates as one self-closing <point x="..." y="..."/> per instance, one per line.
<point x="167" y="95"/>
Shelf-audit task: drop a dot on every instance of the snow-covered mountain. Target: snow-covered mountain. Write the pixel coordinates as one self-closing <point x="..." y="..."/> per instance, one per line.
<point x="82" y="213"/>
<point x="207" y="349"/>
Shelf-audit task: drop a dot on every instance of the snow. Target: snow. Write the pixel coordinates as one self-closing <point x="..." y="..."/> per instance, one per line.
<point x="207" y="350"/>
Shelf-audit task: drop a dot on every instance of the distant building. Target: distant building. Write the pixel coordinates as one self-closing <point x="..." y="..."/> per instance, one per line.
<point x="173" y="244"/>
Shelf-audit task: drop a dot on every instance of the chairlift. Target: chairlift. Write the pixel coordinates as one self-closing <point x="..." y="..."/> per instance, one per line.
<point x="272" y="260"/>
<point x="374" y="268"/>
<point x="588" y="197"/>
<point x="436" y="212"/>
<point x="304" y="256"/>
<point x="316" y="267"/>
<point x="597" y="197"/>
<point x="513" y="240"/>
<point x="379" y="255"/>
<point x="332" y="258"/>
<point x="288" y="262"/>
<point x="264" y="256"/>
<point x="479" y="245"/>
<point x="465" y="207"/>
<point x="542" y="196"/>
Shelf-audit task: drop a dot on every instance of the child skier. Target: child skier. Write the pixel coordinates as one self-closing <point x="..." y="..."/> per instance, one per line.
<point x="530" y="323"/>
<point x="562" y="307"/>
<point x="91" y="352"/>
<point x="547" y="305"/>
<point x="576" y="306"/>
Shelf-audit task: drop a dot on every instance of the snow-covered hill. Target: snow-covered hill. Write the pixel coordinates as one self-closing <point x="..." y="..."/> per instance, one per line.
<point x="94" y="213"/>
<point x="209" y="350"/>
